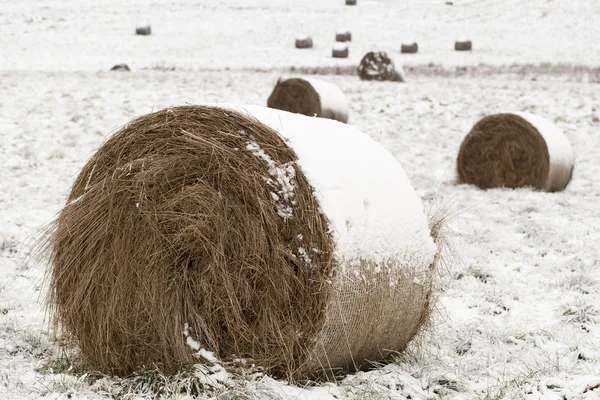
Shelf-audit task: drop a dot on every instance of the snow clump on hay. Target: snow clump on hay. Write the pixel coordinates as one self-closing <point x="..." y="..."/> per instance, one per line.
<point x="378" y="66"/>
<point x="248" y="232"/>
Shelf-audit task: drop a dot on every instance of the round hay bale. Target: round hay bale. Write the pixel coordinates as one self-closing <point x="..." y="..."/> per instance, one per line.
<point x="143" y="29"/>
<point x="304" y="42"/>
<point x="340" y="50"/>
<point x="350" y="2"/>
<point x="252" y="233"/>
<point x="516" y="150"/>
<point x="409" y="48"/>
<point x="120" y="67"/>
<point x="463" y="45"/>
<point x="378" y="66"/>
<point x="311" y="97"/>
<point x="343" y="36"/>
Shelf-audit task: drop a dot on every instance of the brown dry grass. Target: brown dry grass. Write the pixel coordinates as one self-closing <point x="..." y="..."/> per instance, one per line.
<point x="295" y="95"/>
<point x="503" y="150"/>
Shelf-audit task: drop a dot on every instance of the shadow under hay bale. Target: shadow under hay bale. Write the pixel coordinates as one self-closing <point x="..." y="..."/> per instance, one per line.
<point x="304" y="42"/>
<point x="199" y="221"/>
<point x="120" y="67"/>
<point x="463" y="45"/>
<point x="343" y="36"/>
<point x="350" y="2"/>
<point x="340" y="51"/>
<point x="143" y="30"/>
<point x="378" y="66"/>
<point x="310" y="97"/>
<point x="515" y="150"/>
<point x="409" y="48"/>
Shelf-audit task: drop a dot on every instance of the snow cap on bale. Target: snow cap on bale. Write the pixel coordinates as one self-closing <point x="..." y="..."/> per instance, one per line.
<point x="297" y="243"/>
<point x="311" y="97"/>
<point x="143" y="28"/>
<point x="343" y="35"/>
<point x="516" y="150"/>
<point x="378" y="66"/>
<point x="340" y="50"/>
<point x="463" y="44"/>
<point x="304" y="42"/>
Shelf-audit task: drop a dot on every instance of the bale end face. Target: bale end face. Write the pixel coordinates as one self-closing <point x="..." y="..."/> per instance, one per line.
<point x="409" y="48"/>
<point x="295" y="95"/>
<point x="463" y="45"/>
<point x="304" y="42"/>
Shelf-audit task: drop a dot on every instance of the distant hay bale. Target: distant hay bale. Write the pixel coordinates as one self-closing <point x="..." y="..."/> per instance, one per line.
<point x="409" y="48"/>
<point x="463" y="45"/>
<point x="340" y="50"/>
<point x="378" y="66"/>
<point x="516" y="150"/>
<point x="202" y="227"/>
<point x="350" y="2"/>
<point x="304" y="42"/>
<point x="308" y="96"/>
<point x="343" y="36"/>
<point x="120" y="67"/>
<point x="143" y="29"/>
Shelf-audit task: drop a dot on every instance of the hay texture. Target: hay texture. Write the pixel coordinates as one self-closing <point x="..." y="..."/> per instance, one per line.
<point x="340" y="50"/>
<point x="343" y="36"/>
<point x="409" y="48"/>
<point x="120" y="67"/>
<point x="201" y="227"/>
<point x="378" y="66"/>
<point x="304" y="42"/>
<point x="463" y="45"/>
<point x="311" y="97"/>
<point x="516" y="150"/>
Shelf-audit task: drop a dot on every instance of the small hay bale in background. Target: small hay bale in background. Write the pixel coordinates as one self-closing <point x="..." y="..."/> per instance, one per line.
<point x="309" y="97"/>
<point x="409" y="47"/>
<point x="249" y="232"/>
<point x="463" y="45"/>
<point x="143" y="29"/>
<point x="516" y="150"/>
<point x="120" y="67"/>
<point x="378" y="66"/>
<point x="304" y="42"/>
<point x="340" y="50"/>
<point x="343" y="35"/>
<point x="350" y="2"/>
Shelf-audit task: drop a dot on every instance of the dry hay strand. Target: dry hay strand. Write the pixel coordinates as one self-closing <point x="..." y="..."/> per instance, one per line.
<point x="172" y="228"/>
<point x="120" y="67"/>
<point x="310" y="97"/>
<point x="378" y="66"/>
<point x="463" y="45"/>
<point x="506" y="150"/>
<point x="343" y="36"/>
<point x="409" y="48"/>
<point x="304" y="42"/>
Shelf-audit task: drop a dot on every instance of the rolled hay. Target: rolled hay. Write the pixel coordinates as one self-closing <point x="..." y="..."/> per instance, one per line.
<point x="340" y="50"/>
<point x="409" y="48"/>
<point x="143" y="29"/>
<point x="516" y="150"/>
<point x="463" y="45"/>
<point x="311" y="97"/>
<point x="304" y="42"/>
<point x="343" y="36"/>
<point x="120" y="67"/>
<point x="253" y="233"/>
<point x="350" y="2"/>
<point x="378" y="66"/>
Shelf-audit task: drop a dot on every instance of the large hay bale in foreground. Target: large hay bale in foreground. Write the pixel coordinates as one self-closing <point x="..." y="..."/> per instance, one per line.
<point x="296" y="243"/>
<point x="311" y="97"/>
<point x="516" y="150"/>
<point x="378" y="66"/>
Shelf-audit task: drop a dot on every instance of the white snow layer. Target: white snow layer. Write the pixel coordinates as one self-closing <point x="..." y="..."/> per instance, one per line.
<point x="373" y="211"/>
<point x="333" y="101"/>
<point x="560" y="151"/>
<point x="339" y="46"/>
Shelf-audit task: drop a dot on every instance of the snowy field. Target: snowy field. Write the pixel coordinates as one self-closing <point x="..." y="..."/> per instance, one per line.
<point x="518" y="313"/>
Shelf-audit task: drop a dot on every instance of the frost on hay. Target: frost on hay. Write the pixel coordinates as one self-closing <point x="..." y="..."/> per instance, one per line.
<point x="515" y="150"/>
<point x="196" y="228"/>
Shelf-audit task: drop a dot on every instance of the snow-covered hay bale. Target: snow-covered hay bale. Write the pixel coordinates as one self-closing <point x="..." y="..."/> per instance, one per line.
<point x="304" y="42"/>
<point x="350" y="2"/>
<point x="311" y="97"/>
<point x="378" y="66"/>
<point x="409" y="48"/>
<point x="343" y="36"/>
<point x="120" y="67"/>
<point x="143" y="29"/>
<point x="252" y="233"/>
<point x="516" y="150"/>
<point x="340" y="50"/>
<point x="463" y="45"/>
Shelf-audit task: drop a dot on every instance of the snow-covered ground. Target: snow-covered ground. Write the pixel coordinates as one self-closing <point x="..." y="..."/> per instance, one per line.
<point x="518" y="314"/>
